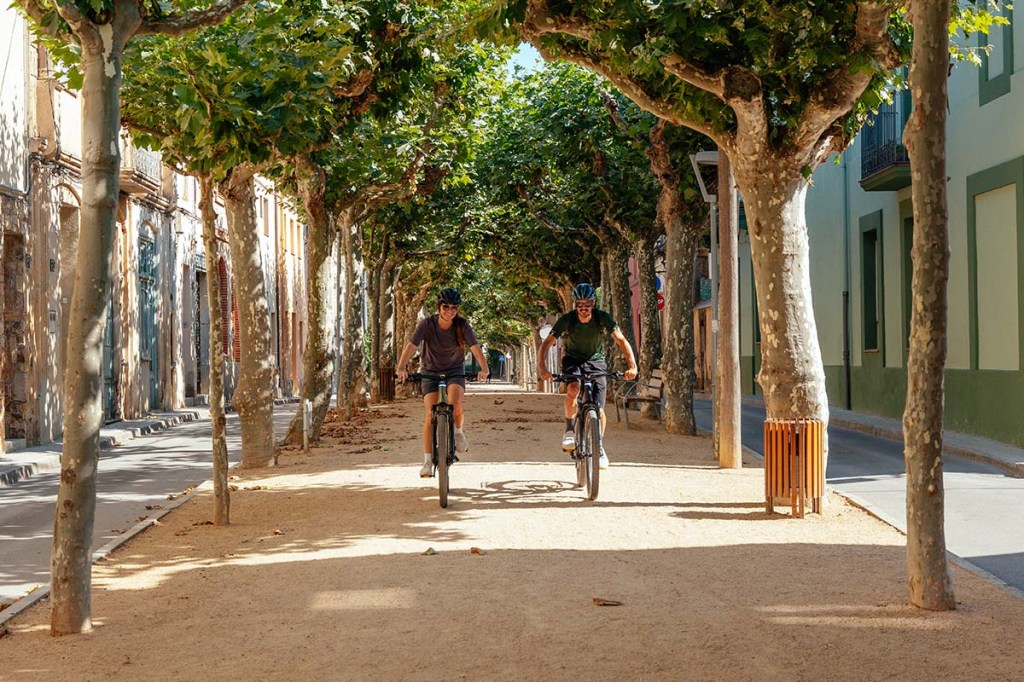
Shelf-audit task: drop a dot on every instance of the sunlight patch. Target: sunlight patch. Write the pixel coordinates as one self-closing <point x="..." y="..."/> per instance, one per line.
<point x="364" y="600"/>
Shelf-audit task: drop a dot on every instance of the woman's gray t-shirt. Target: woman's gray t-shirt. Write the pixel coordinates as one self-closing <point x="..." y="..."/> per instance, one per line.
<point x="441" y="351"/>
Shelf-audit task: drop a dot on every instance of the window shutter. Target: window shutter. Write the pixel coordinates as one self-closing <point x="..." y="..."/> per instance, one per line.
<point x="236" y="347"/>
<point x="222" y="272"/>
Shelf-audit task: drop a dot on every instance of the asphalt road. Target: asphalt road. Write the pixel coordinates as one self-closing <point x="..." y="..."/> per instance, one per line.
<point x="142" y="472"/>
<point x="984" y="506"/>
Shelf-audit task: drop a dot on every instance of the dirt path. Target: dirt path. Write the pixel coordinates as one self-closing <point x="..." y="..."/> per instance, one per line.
<point x="323" y="574"/>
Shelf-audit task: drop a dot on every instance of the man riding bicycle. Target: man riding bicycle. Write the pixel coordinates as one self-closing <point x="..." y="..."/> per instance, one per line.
<point x="445" y="337"/>
<point x="583" y="329"/>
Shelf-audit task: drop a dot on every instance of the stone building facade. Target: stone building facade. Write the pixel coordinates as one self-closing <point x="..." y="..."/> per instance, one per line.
<point x="156" y="346"/>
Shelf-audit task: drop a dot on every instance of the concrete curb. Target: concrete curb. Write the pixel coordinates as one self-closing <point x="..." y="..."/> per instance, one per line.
<point x="30" y="600"/>
<point x="46" y="461"/>
<point x="1009" y="466"/>
<point x="871" y="509"/>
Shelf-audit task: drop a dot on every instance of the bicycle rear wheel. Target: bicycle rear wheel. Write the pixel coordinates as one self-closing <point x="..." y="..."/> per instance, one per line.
<point x="443" y="445"/>
<point x="592" y="459"/>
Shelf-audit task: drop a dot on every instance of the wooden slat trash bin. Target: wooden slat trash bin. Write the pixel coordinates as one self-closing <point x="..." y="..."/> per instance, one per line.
<point x="793" y="463"/>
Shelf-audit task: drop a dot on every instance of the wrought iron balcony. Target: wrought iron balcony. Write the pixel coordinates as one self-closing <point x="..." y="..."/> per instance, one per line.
<point x="884" y="165"/>
<point x="140" y="170"/>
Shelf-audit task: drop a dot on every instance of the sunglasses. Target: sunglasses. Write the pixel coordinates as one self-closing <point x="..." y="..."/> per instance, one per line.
<point x="584" y="305"/>
<point x="448" y="306"/>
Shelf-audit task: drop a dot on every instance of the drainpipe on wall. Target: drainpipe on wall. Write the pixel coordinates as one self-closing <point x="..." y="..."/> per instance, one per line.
<point x="847" y="392"/>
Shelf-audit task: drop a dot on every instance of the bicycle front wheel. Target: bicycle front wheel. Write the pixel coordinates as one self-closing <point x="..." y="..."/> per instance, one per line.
<point x="443" y="445"/>
<point x="592" y="454"/>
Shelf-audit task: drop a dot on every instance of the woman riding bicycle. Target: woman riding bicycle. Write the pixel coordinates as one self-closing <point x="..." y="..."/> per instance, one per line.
<point x="584" y="329"/>
<point x="445" y="337"/>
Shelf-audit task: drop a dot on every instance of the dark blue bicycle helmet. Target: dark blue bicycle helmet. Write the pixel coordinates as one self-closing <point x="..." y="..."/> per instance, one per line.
<point x="449" y="296"/>
<point x="584" y="292"/>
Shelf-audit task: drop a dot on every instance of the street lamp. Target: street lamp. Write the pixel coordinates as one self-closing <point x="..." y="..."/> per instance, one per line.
<point x="710" y="160"/>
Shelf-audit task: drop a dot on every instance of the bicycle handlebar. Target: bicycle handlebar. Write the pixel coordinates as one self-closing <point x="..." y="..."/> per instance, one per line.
<point x="571" y="378"/>
<point x="419" y="376"/>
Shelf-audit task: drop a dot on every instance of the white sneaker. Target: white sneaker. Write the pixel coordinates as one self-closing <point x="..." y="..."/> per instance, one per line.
<point x="569" y="441"/>
<point x="602" y="462"/>
<point x="461" y="442"/>
<point x="428" y="470"/>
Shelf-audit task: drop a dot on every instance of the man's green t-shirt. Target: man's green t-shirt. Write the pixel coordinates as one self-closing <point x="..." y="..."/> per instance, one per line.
<point x="584" y="341"/>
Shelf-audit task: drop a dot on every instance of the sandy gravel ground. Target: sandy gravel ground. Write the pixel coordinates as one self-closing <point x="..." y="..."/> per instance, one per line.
<point x="325" y="574"/>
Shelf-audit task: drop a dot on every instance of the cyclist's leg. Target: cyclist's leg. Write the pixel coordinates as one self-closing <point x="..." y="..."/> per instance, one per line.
<point x="429" y="400"/>
<point x="456" y="392"/>
<point x="455" y="395"/>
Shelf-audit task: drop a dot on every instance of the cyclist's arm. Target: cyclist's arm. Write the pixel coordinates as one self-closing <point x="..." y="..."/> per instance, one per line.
<point x="627" y="352"/>
<point x="407" y="354"/>
<point x="479" y="355"/>
<point x="542" y="354"/>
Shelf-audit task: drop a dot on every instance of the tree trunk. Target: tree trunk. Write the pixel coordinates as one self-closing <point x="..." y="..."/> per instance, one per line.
<point x="730" y="449"/>
<point x="318" y="355"/>
<point x="650" y="320"/>
<point x="680" y="245"/>
<point x="537" y="342"/>
<point x="352" y="391"/>
<point x="71" y="560"/>
<point x="791" y="377"/>
<point x="218" y="423"/>
<point x="928" y="576"/>
<point x="253" y="398"/>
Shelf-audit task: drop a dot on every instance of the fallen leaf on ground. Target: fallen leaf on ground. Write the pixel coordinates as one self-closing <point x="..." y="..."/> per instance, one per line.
<point x="278" y="532"/>
<point x="430" y="552"/>
<point x="606" y="602"/>
<point x="203" y="523"/>
<point x="476" y="550"/>
<point x="232" y="488"/>
<point x="151" y="507"/>
<point x="254" y="487"/>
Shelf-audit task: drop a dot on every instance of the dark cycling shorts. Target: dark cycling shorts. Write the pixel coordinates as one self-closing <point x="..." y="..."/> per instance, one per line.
<point x="573" y="366"/>
<point x="430" y="386"/>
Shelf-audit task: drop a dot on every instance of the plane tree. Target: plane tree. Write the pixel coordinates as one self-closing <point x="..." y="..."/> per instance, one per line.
<point x="258" y="91"/>
<point x="92" y="36"/>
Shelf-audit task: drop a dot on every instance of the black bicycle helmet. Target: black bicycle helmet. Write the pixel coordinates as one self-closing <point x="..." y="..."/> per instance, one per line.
<point x="584" y="292"/>
<point x="449" y="296"/>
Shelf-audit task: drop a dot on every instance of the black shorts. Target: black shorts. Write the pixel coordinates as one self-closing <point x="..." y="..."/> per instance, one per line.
<point x="573" y="366"/>
<point x="430" y="386"/>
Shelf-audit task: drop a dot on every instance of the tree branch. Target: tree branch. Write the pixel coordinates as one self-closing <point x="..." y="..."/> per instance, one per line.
<point x="630" y="87"/>
<point x="842" y="87"/>
<point x="177" y="23"/>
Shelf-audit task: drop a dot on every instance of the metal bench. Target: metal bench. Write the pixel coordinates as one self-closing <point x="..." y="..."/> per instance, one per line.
<point x="636" y="394"/>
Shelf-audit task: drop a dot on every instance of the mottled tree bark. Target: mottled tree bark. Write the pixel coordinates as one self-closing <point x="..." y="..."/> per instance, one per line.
<point x="650" y="320"/>
<point x="71" y="560"/>
<point x="681" y="239"/>
<point x="928" y="578"/>
<point x="792" y="376"/>
<point x="218" y="422"/>
<point x="318" y="355"/>
<point x="253" y="398"/>
<point x="352" y="390"/>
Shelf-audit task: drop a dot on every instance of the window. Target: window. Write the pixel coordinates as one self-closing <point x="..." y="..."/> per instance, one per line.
<point x="995" y="260"/>
<point x="997" y="65"/>
<point x="147" y="295"/>
<point x="266" y="218"/>
<point x="871" y="280"/>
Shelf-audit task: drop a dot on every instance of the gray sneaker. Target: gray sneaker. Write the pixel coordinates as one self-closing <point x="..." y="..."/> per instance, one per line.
<point x="428" y="470"/>
<point x="602" y="462"/>
<point x="461" y="442"/>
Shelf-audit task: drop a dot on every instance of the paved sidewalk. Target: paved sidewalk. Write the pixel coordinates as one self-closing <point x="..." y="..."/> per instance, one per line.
<point x="1001" y="455"/>
<point x="21" y="464"/>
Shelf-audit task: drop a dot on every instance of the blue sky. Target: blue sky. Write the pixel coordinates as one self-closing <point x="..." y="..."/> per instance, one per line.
<point x="525" y="57"/>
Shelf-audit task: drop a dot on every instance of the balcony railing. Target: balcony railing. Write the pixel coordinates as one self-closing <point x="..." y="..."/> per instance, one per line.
<point x="140" y="170"/>
<point x="884" y="164"/>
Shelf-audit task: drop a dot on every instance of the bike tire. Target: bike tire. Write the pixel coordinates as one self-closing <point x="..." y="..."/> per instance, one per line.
<point x="443" y="445"/>
<point x="592" y="461"/>
<point x="578" y="454"/>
